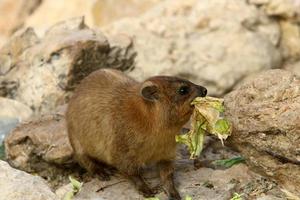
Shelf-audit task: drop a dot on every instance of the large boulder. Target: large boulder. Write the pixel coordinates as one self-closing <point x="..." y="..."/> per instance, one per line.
<point x="211" y="42"/>
<point x="287" y="13"/>
<point x="265" y="111"/>
<point x="41" y="72"/>
<point x="18" y="185"/>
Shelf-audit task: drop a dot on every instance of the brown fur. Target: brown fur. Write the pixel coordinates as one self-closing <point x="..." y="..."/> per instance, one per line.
<point x="111" y="119"/>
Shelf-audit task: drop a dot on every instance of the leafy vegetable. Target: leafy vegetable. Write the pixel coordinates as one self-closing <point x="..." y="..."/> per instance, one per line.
<point x="227" y="163"/>
<point x="207" y="117"/>
<point x="76" y="186"/>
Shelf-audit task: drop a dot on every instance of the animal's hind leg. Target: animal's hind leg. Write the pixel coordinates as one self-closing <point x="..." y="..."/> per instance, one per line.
<point x="88" y="163"/>
<point x="92" y="167"/>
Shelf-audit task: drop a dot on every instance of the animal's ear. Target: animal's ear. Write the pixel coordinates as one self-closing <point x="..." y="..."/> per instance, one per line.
<point x="149" y="91"/>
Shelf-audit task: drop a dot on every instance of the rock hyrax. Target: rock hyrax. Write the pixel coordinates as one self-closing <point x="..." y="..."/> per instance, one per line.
<point x="115" y="120"/>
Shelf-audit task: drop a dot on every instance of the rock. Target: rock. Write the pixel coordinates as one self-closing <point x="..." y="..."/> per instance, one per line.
<point x="13" y="109"/>
<point x="286" y="9"/>
<point x="201" y="184"/>
<point x="96" y="12"/>
<point x="287" y="13"/>
<point x="265" y="112"/>
<point x="18" y="185"/>
<point x="40" y="146"/>
<point x="293" y="67"/>
<point x="15" y="13"/>
<point x="41" y="72"/>
<point x="290" y="38"/>
<point x="202" y="41"/>
<point x="108" y="11"/>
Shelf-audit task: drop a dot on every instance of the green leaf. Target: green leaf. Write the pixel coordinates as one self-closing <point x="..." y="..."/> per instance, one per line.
<point x="227" y="163"/>
<point x="237" y="196"/>
<point x="222" y="126"/>
<point x="188" y="197"/>
<point x="75" y="184"/>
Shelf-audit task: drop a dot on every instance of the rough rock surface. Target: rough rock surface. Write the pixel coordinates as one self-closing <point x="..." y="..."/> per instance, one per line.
<point x="289" y="9"/>
<point x="41" y="72"/>
<point x="211" y="42"/>
<point x="18" y="185"/>
<point x="200" y="184"/>
<point x="40" y="146"/>
<point x="265" y="111"/>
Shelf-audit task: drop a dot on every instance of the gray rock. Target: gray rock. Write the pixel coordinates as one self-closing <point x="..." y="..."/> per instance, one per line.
<point x="18" y="185"/>
<point x="202" y="41"/>
<point x="41" y="73"/>
<point x="265" y="112"/>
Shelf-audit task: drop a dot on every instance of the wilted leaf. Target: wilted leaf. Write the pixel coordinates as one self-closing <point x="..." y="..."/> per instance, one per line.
<point x="207" y="117"/>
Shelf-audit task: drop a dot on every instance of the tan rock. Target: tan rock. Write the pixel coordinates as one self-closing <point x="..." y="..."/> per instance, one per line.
<point x="265" y="111"/>
<point x="13" y="109"/>
<point x="96" y="12"/>
<point x="290" y="37"/>
<point x="14" y="13"/>
<point x="107" y="11"/>
<point x="202" y="41"/>
<point x="294" y="68"/>
<point x="286" y="8"/>
<point x="41" y="72"/>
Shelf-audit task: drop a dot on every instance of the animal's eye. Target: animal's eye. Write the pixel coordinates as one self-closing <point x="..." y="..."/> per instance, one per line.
<point x="183" y="90"/>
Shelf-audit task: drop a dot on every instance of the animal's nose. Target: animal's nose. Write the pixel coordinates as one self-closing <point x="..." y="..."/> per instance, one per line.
<point x="202" y="91"/>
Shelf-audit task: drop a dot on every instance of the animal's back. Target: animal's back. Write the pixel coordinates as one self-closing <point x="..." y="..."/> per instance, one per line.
<point x="90" y="113"/>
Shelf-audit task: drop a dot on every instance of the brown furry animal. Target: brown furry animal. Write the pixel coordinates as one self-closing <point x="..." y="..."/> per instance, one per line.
<point x="120" y="122"/>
